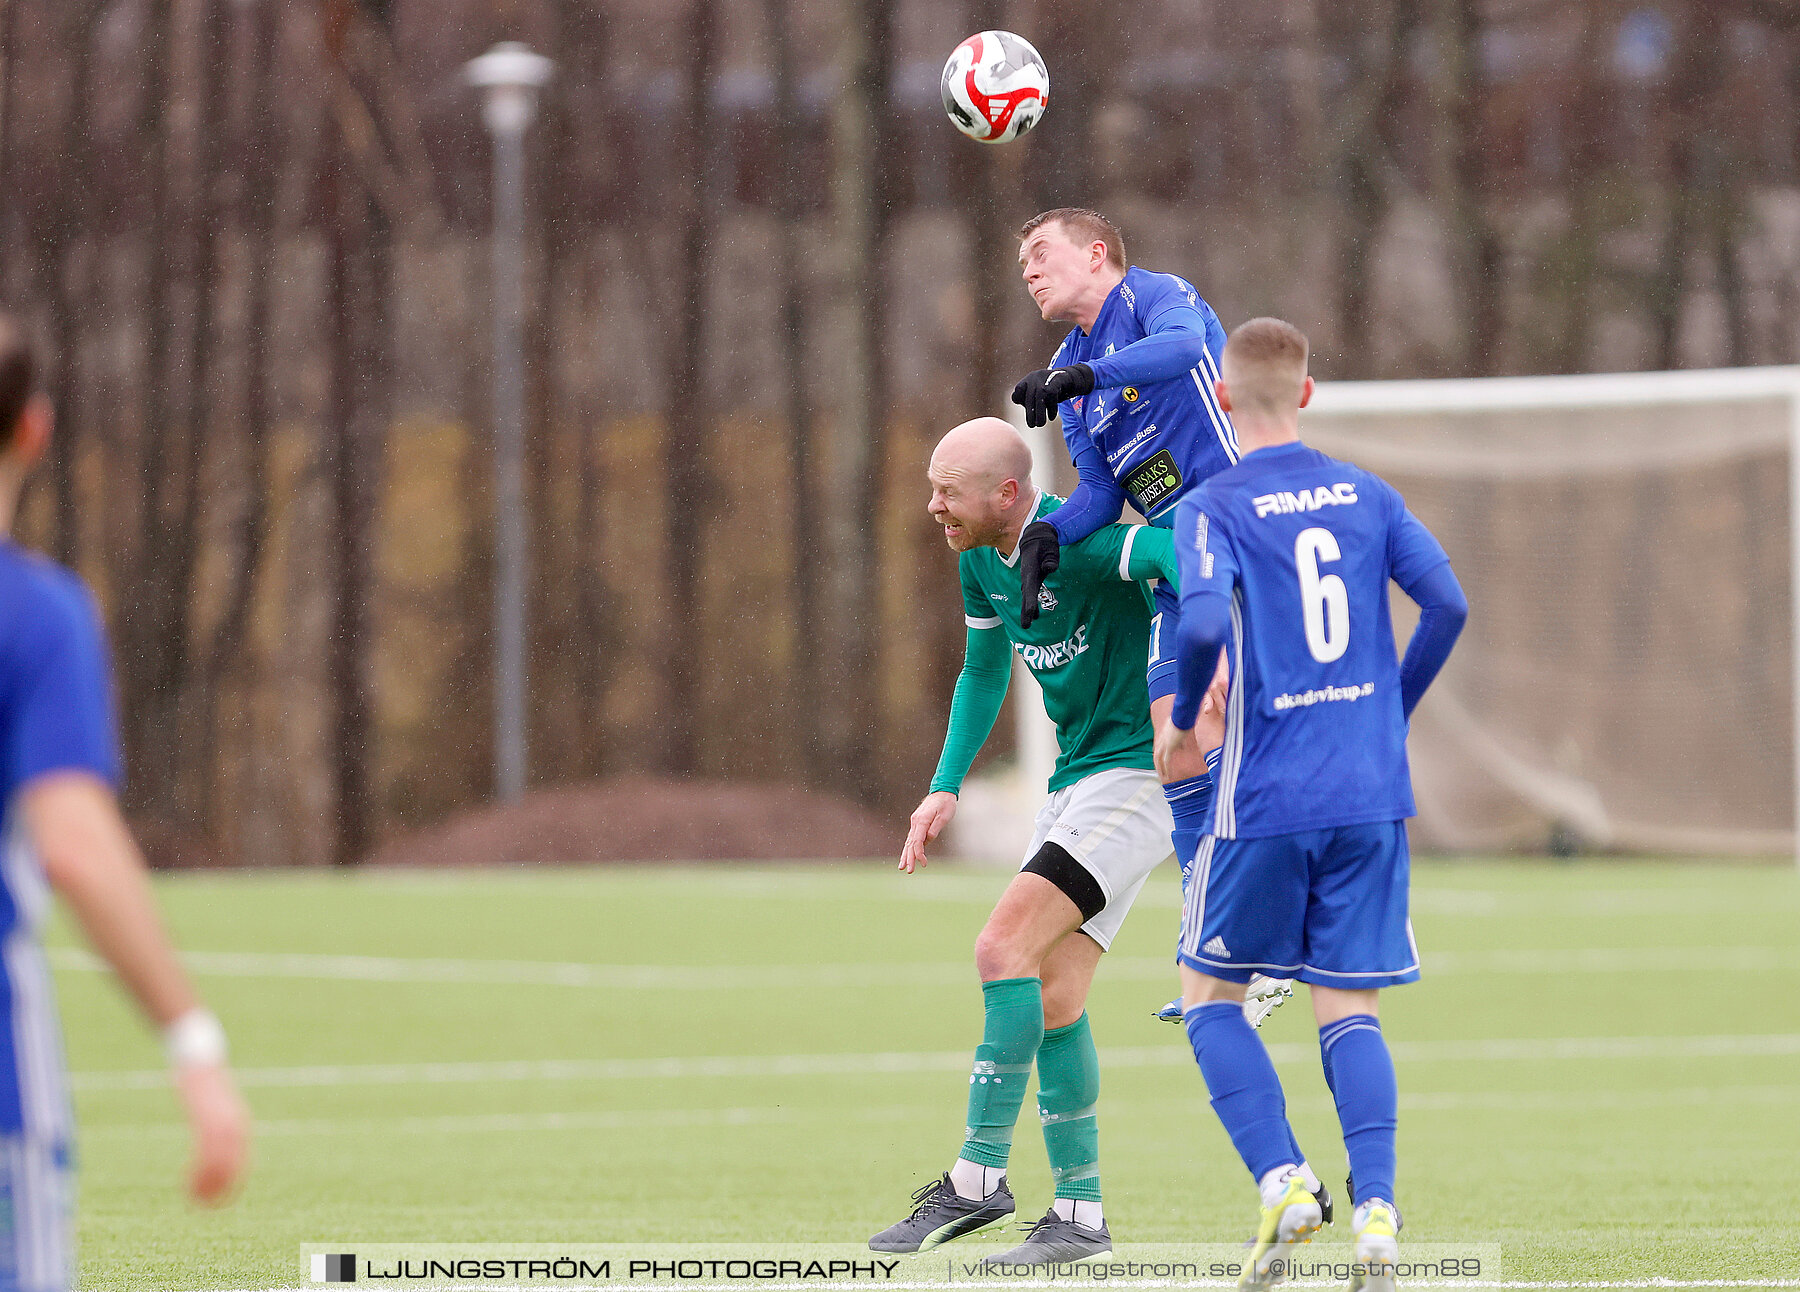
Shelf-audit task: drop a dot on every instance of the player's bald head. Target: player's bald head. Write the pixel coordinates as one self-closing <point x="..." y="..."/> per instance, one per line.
<point x="1265" y="367"/>
<point x="985" y="453"/>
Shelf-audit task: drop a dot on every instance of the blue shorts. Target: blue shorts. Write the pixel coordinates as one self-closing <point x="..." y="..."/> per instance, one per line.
<point x="1324" y="906"/>
<point x="1160" y="676"/>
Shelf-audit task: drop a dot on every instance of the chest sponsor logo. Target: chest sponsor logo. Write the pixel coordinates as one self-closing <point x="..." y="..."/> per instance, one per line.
<point x="1129" y="297"/>
<point x="1130" y="394"/>
<point x="1153" y="483"/>
<point x="1285" y="503"/>
<point x="1042" y="658"/>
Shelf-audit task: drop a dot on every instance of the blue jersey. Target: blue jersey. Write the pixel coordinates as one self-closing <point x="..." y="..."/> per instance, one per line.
<point x="1302" y="547"/>
<point x="55" y="715"/>
<point x="1151" y="429"/>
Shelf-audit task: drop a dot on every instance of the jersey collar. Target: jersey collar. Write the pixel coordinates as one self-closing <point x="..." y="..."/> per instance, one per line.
<point x="1037" y="513"/>
<point x="1113" y="299"/>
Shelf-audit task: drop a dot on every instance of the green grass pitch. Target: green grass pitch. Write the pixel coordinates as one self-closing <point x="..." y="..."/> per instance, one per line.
<point x="1600" y="1072"/>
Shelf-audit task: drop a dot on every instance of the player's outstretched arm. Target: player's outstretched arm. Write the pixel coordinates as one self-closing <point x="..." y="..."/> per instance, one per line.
<point x="1199" y="641"/>
<point x="1175" y="342"/>
<point x="1147" y="552"/>
<point x="1096" y="501"/>
<point x="90" y="859"/>
<point x="1443" y="610"/>
<point x="974" y="706"/>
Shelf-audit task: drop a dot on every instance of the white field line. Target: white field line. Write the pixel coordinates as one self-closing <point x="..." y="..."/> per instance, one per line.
<point x="1425" y="1101"/>
<point x="983" y="887"/>
<point x="1535" y="1050"/>
<point x="549" y="973"/>
<point x="518" y="1123"/>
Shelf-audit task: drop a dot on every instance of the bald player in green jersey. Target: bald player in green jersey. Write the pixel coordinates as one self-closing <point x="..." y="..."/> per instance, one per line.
<point x="1104" y="828"/>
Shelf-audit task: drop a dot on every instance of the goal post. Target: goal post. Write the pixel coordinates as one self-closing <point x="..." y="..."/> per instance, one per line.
<point x="1628" y="543"/>
<point x="1628" y="679"/>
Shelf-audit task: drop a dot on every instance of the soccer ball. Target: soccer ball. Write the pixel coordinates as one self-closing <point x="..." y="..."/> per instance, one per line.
<point x="995" y="86"/>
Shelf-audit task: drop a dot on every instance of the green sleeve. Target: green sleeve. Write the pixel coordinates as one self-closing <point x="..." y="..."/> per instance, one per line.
<point x="1133" y="553"/>
<point x="1151" y="555"/>
<point x="980" y="688"/>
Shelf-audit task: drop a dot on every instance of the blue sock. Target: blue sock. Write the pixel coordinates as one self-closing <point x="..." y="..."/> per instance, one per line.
<point x="1360" y="1072"/>
<point x="1245" y="1091"/>
<point x="1191" y="803"/>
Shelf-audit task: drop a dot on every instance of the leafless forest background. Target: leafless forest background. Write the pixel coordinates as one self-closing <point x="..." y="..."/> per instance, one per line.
<point x="251" y="238"/>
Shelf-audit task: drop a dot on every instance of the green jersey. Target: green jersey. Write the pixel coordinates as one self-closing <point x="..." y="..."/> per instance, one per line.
<point x="1087" y="648"/>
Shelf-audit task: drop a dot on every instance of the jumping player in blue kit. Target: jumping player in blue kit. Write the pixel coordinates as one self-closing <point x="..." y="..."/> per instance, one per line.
<point x="1285" y="561"/>
<point x="1133" y="385"/>
<point x="60" y="823"/>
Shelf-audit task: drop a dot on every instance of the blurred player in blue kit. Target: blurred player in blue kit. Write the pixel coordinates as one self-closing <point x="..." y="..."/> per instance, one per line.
<point x="1285" y="563"/>
<point x="59" y="771"/>
<point x="1133" y="385"/>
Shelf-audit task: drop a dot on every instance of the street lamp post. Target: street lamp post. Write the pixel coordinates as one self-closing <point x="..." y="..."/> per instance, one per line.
<point x="509" y="75"/>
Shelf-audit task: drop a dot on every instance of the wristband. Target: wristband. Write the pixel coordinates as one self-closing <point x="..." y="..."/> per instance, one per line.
<point x="196" y="1039"/>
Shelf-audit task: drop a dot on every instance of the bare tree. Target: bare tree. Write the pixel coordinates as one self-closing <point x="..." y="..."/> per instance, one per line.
<point x="1704" y="187"/>
<point x="256" y="214"/>
<point x="1459" y="176"/>
<point x="1373" y="35"/>
<point x="64" y="275"/>
<point x="685" y="460"/>
<point x="150" y="662"/>
<point x="797" y="403"/>
<point x="9" y="26"/>
<point x="861" y="198"/>
<point x="361" y="277"/>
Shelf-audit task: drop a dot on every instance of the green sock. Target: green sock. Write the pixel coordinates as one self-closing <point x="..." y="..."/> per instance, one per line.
<point x="1009" y="1039"/>
<point x="1068" y="1089"/>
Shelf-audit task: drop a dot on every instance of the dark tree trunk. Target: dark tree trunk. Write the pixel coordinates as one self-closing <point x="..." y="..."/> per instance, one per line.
<point x="225" y="663"/>
<point x="1695" y="179"/>
<point x="862" y="217"/>
<point x="1576" y="264"/>
<point x="361" y="289"/>
<point x="685" y="460"/>
<point x="1476" y="253"/>
<point x="207" y="214"/>
<point x="9" y="25"/>
<point x="65" y="275"/>
<point x="149" y="658"/>
<point x="808" y="554"/>
<point x="1378" y="33"/>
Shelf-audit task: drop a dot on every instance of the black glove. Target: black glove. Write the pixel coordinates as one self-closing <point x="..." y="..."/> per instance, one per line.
<point x="1044" y="389"/>
<point x="1040" y="552"/>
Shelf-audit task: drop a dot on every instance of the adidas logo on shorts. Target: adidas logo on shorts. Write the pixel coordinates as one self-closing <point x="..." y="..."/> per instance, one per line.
<point x="1215" y="946"/>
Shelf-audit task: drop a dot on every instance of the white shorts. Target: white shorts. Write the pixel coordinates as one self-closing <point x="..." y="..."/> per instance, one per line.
<point x="1117" y="824"/>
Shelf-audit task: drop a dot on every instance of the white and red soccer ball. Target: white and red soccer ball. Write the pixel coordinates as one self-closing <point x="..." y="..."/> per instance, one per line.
<point x="995" y="86"/>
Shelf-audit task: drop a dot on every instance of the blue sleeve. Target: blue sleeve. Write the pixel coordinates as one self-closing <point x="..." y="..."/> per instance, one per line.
<point x="1419" y="565"/>
<point x="1413" y="551"/>
<point x="1209" y="571"/>
<point x="61" y="712"/>
<point x="1176" y="340"/>
<point x="1443" y="609"/>
<point x="1097" y="500"/>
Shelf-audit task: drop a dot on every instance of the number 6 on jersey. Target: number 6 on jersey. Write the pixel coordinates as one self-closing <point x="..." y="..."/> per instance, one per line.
<point x="1324" y="602"/>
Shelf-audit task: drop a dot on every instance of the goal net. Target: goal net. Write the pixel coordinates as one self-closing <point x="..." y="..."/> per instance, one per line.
<point x="1626" y="679"/>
